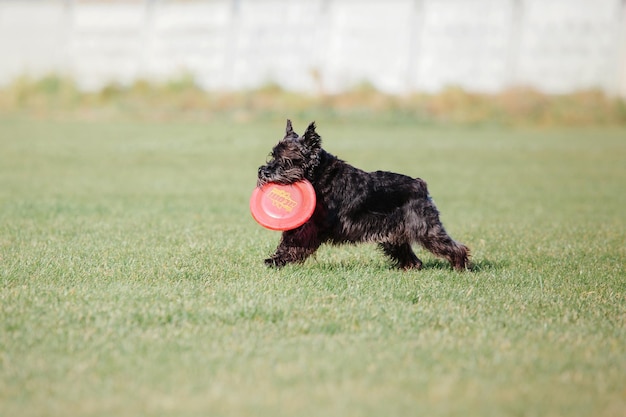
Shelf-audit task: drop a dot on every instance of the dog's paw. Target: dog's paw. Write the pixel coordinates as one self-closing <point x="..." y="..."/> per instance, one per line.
<point x="275" y="262"/>
<point x="414" y="264"/>
<point x="462" y="264"/>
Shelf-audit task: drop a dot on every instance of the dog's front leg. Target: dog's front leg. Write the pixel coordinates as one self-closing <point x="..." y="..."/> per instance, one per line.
<point x="295" y="246"/>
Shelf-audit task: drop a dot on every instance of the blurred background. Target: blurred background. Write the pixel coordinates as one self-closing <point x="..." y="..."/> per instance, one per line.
<point x="512" y="55"/>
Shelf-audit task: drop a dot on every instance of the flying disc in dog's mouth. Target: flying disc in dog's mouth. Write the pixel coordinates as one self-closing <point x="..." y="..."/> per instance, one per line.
<point x="283" y="207"/>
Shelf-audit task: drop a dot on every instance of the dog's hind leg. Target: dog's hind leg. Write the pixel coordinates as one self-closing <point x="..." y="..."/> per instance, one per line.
<point x="402" y="255"/>
<point x="441" y="244"/>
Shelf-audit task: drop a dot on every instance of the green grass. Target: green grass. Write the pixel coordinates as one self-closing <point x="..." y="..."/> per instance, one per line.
<point x="132" y="283"/>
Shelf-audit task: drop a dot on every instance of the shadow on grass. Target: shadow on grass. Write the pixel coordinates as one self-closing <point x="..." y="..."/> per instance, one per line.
<point x="373" y="266"/>
<point x="479" y="265"/>
<point x="348" y="266"/>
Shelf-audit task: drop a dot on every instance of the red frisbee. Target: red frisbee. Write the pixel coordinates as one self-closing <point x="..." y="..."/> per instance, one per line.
<point x="283" y="207"/>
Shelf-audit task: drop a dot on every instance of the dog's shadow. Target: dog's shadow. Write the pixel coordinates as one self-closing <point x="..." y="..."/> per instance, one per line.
<point x="488" y="265"/>
<point x="479" y="265"/>
<point x="476" y="265"/>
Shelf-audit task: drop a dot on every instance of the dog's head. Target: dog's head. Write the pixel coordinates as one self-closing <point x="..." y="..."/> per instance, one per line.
<point x="294" y="158"/>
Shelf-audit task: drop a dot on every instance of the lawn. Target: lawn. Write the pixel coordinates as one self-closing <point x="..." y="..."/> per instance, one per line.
<point x="132" y="281"/>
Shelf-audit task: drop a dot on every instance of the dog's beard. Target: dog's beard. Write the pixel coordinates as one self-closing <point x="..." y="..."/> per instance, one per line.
<point x="287" y="176"/>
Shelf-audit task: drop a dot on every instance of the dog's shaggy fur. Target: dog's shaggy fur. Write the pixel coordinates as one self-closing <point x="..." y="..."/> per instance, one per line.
<point x="354" y="206"/>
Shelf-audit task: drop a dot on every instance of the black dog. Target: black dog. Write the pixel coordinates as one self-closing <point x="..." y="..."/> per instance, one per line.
<point x="353" y="206"/>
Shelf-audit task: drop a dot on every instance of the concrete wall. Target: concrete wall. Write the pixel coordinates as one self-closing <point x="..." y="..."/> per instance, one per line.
<point x="330" y="45"/>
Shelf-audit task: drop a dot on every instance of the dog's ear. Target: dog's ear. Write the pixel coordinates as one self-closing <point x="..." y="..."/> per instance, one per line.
<point x="289" y="133"/>
<point x="311" y="139"/>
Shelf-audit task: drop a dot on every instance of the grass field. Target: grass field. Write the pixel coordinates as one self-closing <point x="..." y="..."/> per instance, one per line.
<point x="132" y="283"/>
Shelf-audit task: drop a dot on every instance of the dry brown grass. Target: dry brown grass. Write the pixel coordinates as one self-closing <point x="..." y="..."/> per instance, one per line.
<point x="182" y="99"/>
